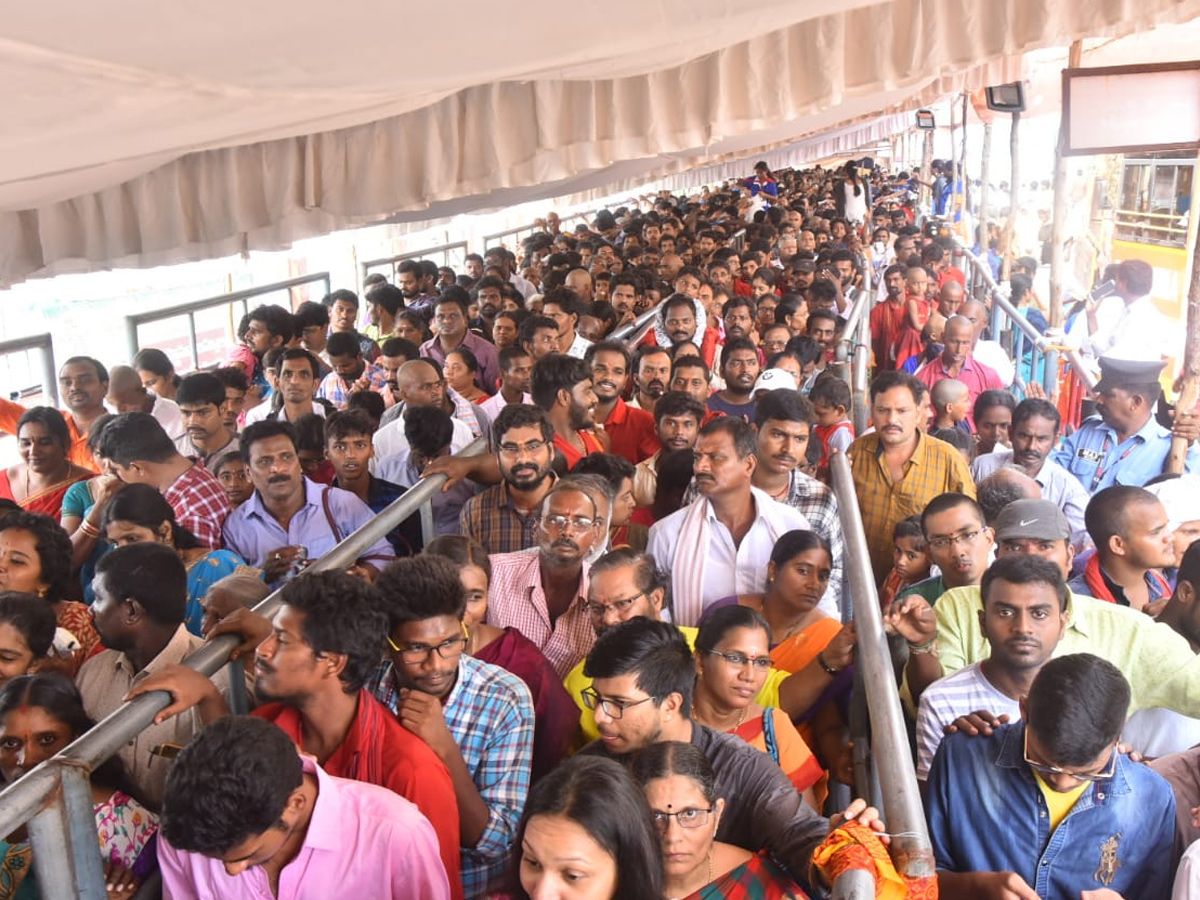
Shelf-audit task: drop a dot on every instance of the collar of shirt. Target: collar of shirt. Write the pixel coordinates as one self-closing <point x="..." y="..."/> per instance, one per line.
<point x="762" y="505"/>
<point x="179" y="646"/>
<point x="620" y="412"/>
<point x="326" y="826"/>
<point x="1147" y="432"/>
<point x="918" y="454"/>
<point x="462" y="407"/>
<point x="501" y="498"/>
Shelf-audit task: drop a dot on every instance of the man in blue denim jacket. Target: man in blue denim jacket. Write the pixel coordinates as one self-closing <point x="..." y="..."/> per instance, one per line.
<point x="1047" y="807"/>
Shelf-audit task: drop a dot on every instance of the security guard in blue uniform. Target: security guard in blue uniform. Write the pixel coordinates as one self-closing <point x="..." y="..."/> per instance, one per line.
<point x="1125" y="444"/>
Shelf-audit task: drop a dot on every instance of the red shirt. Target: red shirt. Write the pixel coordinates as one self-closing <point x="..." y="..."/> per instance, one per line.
<point x="379" y="750"/>
<point x="886" y="322"/>
<point x="975" y="375"/>
<point x="591" y="444"/>
<point x="631" y="432"/>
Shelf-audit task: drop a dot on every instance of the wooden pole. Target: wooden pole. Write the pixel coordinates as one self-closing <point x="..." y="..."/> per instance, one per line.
<point x="1014" y="202"/>
<point x="1058" y="225"/>
<point x="954" y="163"/>
<point x="966" y="198"/>
<point x="927" y="170"/>
<point x="985" y="174"/>
<point x="1189" y="380"/>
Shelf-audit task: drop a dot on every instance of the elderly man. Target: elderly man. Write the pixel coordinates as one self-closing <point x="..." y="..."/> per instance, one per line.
<point x="126" y="394"/>
<point x="542" y="591"/>
<point x="290" y="519"/>
<point x="956" y="361"/>
<point x="720" y="545"/>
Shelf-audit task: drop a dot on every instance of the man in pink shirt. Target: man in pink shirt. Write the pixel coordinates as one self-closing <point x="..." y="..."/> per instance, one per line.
<point x="956" y="361"/>
<point x="245" y="816"/>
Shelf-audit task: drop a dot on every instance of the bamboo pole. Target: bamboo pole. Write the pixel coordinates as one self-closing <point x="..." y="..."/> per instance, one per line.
<point x="1058" y="225"/>
<point x="985" y="174"/>
<point x="1189" y="379"/>
<point x="1010" y="227"/>
<point x="927" y="171"/>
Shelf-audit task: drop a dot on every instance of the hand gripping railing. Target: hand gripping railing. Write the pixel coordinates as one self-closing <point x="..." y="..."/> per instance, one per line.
<point x="55" y="798"/>
<point x="910" y="847"/>
<point x="636" y="330"/>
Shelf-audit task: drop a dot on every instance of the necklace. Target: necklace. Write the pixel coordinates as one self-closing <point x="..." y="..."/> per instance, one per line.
<point x="716" y="725"/>
<point x="710" y="855"/>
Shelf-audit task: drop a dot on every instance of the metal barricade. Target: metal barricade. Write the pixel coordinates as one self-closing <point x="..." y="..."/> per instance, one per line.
<point x="55" y="798"/>
<point x="853" y="355"/>
<point x="222" y="330"/>
<point x="21" y="377"/>
<point x="451" y="255"/>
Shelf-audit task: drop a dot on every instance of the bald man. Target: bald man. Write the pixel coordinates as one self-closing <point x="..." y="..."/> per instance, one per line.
<point x="990" y="353"/>
<point x="126" y="394"/>
<point x="580" y="281"/>
<point x="420" y="383"/>
<point x="957" y="361"/>
<point x="950" y="298"/>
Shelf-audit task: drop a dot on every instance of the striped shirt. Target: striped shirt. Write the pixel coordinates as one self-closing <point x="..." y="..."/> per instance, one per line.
<point x="334" y="388"/>
<point x="489" y="712"/>
<point x="934" y="468"/>
<point x="960" y="694"/>
<point x="516" y="599"/>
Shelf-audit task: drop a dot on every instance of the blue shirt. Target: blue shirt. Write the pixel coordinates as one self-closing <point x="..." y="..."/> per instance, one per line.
<point x="251" y="532"/>
<point x="987" y="814"/>
<point x="1095" y="456"/>
<point x="489" y="712"/>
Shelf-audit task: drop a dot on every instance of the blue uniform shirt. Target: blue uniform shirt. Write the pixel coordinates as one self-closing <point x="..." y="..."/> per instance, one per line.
<point x="987" y="814"/>
<point x="1094" y="456"/>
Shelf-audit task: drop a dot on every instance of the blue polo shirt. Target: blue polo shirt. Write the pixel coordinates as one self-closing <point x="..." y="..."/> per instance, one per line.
<point x="1095" y="456"/>
<point x="987" y="814"/>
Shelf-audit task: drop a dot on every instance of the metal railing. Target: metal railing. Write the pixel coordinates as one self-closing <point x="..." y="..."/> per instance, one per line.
<point x="227" y="324"/>
<point x="500" y="238"/>
<point x="450" y="256"/>
<point x="853" y="354"/>
<point x="56" y="799"/>
<point x="1011" y="328"/>
<point x="911" y="849"/>
<point x="43" y="343"/>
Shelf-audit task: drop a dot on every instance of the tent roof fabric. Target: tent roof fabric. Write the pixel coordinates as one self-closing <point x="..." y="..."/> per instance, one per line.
<point x="145" y="133"/>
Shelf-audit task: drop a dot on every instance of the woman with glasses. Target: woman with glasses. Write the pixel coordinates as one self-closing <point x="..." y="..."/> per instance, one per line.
<point x="681" y="789"/>
<point x="556" y="715"/>
<point x="732" y="662"/>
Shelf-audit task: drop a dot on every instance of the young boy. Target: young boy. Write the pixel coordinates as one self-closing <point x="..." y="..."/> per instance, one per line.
<point x="910" y="560"/>
<point x="830" y="398"/>
<point x="234" y="476"/>
<point x="951" y="405"/>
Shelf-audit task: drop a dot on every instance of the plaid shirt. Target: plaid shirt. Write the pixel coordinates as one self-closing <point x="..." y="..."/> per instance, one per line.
<point x="200" y="504"/>
<point x="516" y="598"/>
<point x="334" y="388"/>
<point x="491" y="519"/>
<point x="934" y="468"/>
<point x="490" y="714"/>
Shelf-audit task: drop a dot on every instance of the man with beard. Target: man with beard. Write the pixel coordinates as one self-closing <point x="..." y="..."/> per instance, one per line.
<point x="289" y="518"/>
<point x="887" y="319"/>
<point x="564" y="307"/>
<point x="677" y="419"/>
<point x="720" y="545"/>
<point x="956" y="361"/>
<point x="542" y="591"/>
<point x="409" y="278"/>
<point x="625" y="293"/>
<point x="503" y="519"/>
<point x="630" y="430"/>
<point x="489" y="294"/>
<point x="312" y="660"/>
<point x="959" y="543"/>
<point x="200" y="397"/>
<point x="538" y="336"/>
<point x="651" y="372"/>
<point x="477" y="717"/>
<point x="297" y="375"/>
<point x="1035" y="427"/>
<point x="562" y="388"/>
<point x="738" y="316"/>
<point x="450" y="315"/>
<point x="1024" y="616"/>
<point x="804" y="272"/>
<point x="82" y="383"/>
<point x="679" y="323"/>
<point x="739" y="368"/>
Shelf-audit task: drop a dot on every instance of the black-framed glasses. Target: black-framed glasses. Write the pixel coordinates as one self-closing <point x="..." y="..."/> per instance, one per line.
<point x="692" y="817"/>
<point x="528" y="447"/>
<point x="597" y="610"/>
<point x="741" y="660"/>
<point x="1046" y="769"/>
<point x="419" y="653"/>
<point x="966" y="538"/>
<point x="614" y="709"/>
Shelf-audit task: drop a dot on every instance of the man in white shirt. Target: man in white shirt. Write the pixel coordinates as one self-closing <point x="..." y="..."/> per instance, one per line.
<point x="298" y="371"/>
<point x="1140" y="331"/>
<point x="420" y="384"/>
<point x="516" y="369"/>
<point x="564" y="307"/>
<point x="1024" y="616"/>
<point x="721" y="544"/>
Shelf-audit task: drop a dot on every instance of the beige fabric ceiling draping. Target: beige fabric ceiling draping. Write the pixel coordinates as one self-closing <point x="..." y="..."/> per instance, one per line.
<point x="151" y="132"/>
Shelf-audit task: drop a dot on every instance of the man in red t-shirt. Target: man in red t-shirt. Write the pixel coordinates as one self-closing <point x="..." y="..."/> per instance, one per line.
<point x="630" y="431"/>
<point x="562" y="386"/>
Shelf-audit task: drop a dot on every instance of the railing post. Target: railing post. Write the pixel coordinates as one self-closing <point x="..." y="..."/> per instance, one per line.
<point x="428" y="532"/>
<point x="49" y="371"/>
<point x="66" y="851"/>
<point x="239" y="698"/>
<point x="911" y="849"/>
<point x="131" y="337"/>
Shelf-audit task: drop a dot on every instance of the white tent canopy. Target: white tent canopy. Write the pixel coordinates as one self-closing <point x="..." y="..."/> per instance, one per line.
<point x="145" y="133"/>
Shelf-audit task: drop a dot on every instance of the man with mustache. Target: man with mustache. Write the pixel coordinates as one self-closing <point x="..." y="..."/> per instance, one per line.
<point x="677" y="420"/>
<point x="503" y="518"/>
<point x="630" y="431"/>
<point x="651" y="374"/>
<point x="298" y="370"/>
<point x="82" y="384"/>
<point x="739" y="367"/>
<point x="956" y="361"/>
<point x="289" y="518"/>
<point x="898" y="469"/>
<point x="312" y="660"/>
<point x="542" y="591"/>
<point x="200" y="397"/>
<point x="1024" y="616"/>
<point x="1035" y="426"/>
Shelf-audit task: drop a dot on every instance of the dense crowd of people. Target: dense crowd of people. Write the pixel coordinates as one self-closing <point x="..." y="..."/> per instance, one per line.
<point x="621" y="663"/>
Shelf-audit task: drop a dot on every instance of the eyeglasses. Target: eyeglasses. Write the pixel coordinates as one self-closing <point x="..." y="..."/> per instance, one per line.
<point x="528" y="447"/>
<point x="562" y="523"/>
<point x="597" y="610"/>
<point x="966" y="538"/>
<point x="614" y="709"/>
<point x="687" y="818"/>
<point x="419" y="653"/>
<point x="741" y="660"/>
<point x="1109" y="771"/>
